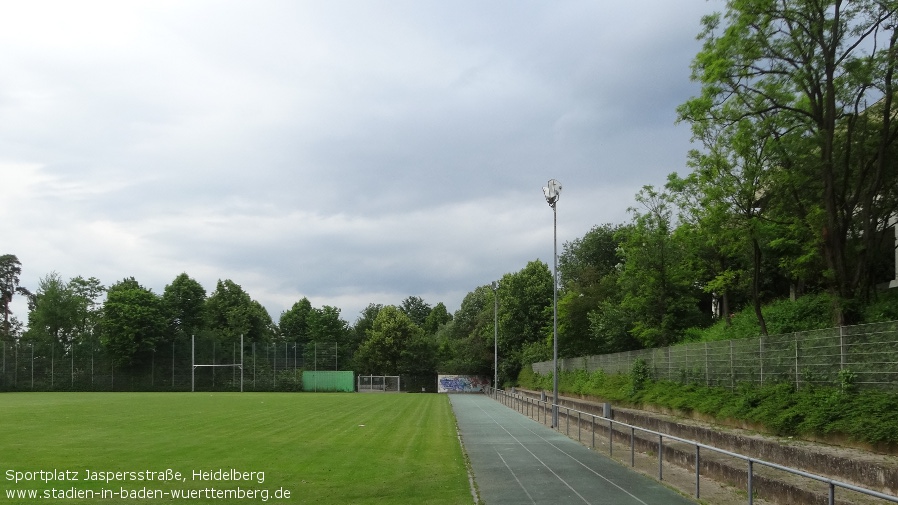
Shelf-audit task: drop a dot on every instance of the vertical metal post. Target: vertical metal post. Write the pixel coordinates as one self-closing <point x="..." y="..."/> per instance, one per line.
<point x="172" y="365"/>
<point x="732" y="370"/>
<point x="832" y="494"/>
<point x="761" y="357"/>
<point x="751" y="491"/>
<point x="632" y="446"/>
<point x="660" y="457"/>
<point x="610" y="438"/>
<point x="796" y="362"/>
<point x="555" y="319"/>
<point x="707" y="368"/>
<point x="697" y="466"/>
<point x="593" y="432"/>
<point x="192" y="363"/>
<point x="241" y="362"/>
<point x="578" y="426"/>
<point x="495" y="334"/>
<point x="841" y="348"/>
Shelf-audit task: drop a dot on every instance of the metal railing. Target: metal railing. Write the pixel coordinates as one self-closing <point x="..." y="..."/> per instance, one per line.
<point x="541" y="410"/>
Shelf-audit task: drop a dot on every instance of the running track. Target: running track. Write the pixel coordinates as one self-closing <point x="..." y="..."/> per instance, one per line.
<point x="518" y="461"/>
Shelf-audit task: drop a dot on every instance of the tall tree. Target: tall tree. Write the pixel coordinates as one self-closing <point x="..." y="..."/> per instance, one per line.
<point x="293" y="325"/>
<point x="658" y="287"/>
<point x="230" y="313"/>
<point x="525" y="315"/>
<point x="184" y="301"/>
<point x="589" y="268"/>
<point x="10" y="270"/>
<point x="465" y="344"/>
<point x="416" y="309"/>
<point x="396" y="345"/>
<point x="55" y="314"/>
<point x="133" y="322"/>
<point x="823" y="71"/>
<point x="437" y="317"/>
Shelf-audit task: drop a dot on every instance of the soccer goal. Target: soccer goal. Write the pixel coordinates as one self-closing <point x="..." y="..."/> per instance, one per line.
<point x="378" y="383"/>
<point x="196" y="365"/>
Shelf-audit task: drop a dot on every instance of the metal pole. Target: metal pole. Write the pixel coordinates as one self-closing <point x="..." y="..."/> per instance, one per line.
<point x="241" y="362"/>
<point x="495" y="334"/>
<point x="192" y="363"/>
<point x="555" y="320"/>
<point x="698" y="460"/>
<point x="751" y="491"/>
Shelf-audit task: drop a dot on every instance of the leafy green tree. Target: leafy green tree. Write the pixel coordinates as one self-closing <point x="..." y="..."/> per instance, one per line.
<point x="396" y="345"/>
<point x="55" y="314"/>
<point x="588" y="268"/>
<point x="88" y="309"/>
<point x="820" y="74"/>
<point x="184" y="301"/>
<point x="294" y="323"/>
<point x="230" y="313"/>
<point x="436" y="318"/>
<point x="465" y="344"/>
<point x="659" y="289"/>
<point x="364" y="323"/>
<point x="585" y="261"/>
<point x="525" y="314"/>
<point x="133" y="322"/>
<point x="416" y="309"/>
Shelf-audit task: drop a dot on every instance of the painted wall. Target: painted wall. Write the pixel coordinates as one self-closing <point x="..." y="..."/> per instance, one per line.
<point x="461" y="383"/>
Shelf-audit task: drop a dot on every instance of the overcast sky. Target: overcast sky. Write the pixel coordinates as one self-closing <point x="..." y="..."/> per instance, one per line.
<point x="351" y="152"/>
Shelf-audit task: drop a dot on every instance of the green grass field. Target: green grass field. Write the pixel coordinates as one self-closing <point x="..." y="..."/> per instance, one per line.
<point x="320" y="448"/>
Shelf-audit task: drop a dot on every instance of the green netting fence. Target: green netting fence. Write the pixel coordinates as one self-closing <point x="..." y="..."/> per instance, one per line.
<point x="87" y="366"/>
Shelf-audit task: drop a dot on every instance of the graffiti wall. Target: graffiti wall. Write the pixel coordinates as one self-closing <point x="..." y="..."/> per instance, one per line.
<point x="461" y="384"/>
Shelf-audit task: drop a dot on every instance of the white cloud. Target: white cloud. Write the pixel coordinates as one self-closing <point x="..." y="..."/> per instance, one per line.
<point x="351" y="152"/>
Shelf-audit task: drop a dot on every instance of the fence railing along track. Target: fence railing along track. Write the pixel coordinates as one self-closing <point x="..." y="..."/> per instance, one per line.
<point x="541" y="411"/>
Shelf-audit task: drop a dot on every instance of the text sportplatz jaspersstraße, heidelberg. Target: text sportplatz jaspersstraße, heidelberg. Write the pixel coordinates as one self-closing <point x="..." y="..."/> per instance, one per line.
<point x="143" y="484"/>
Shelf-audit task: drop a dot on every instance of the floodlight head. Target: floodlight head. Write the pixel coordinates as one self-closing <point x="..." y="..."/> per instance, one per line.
<point x="552" y="192"/>
<point x="495" y="285"/>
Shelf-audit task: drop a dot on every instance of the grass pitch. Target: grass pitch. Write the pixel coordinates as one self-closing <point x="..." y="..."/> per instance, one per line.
<point x="220" y="448"/>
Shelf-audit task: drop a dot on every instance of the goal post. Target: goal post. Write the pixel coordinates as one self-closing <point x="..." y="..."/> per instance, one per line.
<point x="378" y="383"/>
<point x="194" y="364"/>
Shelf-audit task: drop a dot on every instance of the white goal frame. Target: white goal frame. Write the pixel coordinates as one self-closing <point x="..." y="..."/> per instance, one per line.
<point x="194" y="365"/>
<point x="378" y="383"/>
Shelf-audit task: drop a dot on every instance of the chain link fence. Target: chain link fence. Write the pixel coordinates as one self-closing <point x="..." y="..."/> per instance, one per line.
<point x="863" y="355"/>
<point x="86" y="366"/>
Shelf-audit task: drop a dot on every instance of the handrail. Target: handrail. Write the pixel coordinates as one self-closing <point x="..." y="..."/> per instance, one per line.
<point x="833" y="484"/>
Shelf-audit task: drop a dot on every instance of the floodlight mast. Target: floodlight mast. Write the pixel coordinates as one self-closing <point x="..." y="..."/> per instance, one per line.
<point x="553" y="192"/>
<point x="495" y="286"/>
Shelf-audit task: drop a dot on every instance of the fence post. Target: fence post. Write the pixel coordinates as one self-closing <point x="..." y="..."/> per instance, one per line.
<point x="796" y="362"/>
<point x="697" y="466"/>
<point x="732" y="369"/>
<point x="761" y="357"/>
<point x="841" y="348"/>
<point x="707" y="369"/>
